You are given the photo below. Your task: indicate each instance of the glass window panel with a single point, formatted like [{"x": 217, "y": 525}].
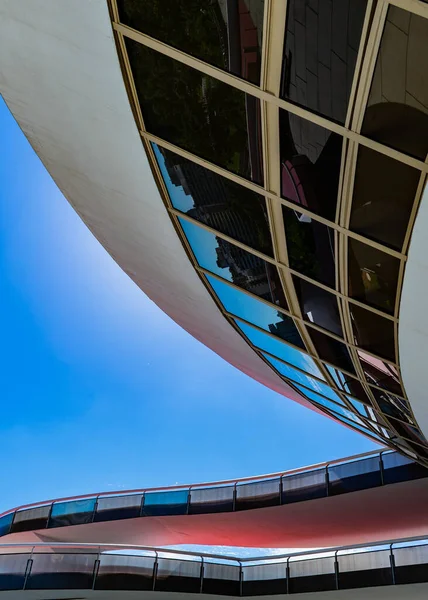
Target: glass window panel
[
  {"x": 331, "y": 350},
  {"x": 363, "y": 409},
  {"x": 12, "y": 571},
  {"x": 380, "y": 373},
  {"x": 384, "y": 193},
  {"x": 310, "y": 246},
  {"x": 397, "y": 108},
  {"x": 256, "y": 312},
  {"x": 196, "y": 112},
  {"x": 318, "y": 306},
  {"x": 373, "y": 332},
  {"x": 215, "y": 201},
  {"x": 321, "y": 46},
  {"x": 299, "y": 377},
  {"x": 277, "y": 348},
  {"x": 165, "y": 503},
  {"x": 227, "y": 34},
  {"x": 310, "y": 164},
  {"x": 373, "y": 276},
  {"x": 74, "y": 512},
  {"x": 348, "y": 384},
  {"x": 341, "y": 410},
  {"x": 128, "y": 572},
  {"x": 392, "y": 406},
  {"x": 235, "y": 264}
]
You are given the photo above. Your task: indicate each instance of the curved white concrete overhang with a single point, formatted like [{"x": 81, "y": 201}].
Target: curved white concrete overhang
[
  {"x": 413, "y": 328},
  {"x": 61, "y": 78}
]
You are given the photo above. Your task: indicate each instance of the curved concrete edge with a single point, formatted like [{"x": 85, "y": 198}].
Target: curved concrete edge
[
  {"x": 413, "y": 324},
  {"x": 61, "y": 78}
]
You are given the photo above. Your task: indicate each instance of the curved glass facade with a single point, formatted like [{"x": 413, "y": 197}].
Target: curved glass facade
[{"x": 290, "y": 154}]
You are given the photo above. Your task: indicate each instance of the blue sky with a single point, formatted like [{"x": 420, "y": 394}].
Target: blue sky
[{"x": 101, "y": 390}]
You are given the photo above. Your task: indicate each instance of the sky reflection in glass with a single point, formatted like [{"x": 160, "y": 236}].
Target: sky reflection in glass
[
  {"x": 277, "y": 348},
  {"x": 329, "y": 405}
]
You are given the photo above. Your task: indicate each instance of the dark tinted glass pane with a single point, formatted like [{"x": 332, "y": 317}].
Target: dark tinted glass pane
[
  {"x": 165, "y": 503},
  {"x": 258, "y": 494},
  {"x": 75, "y": 512},
  {"x": 12, "y": 571},
  {"x": 211, "y": 500},
  {"x": 263, "y": 580},
  {"x": 321, "y": 46},
  {"x": 61, "y": 571},
  {"x": 384, "y": 192},
  {"x": 348, "y": 384},
  {"x": 397, "y": 109},
  {"x": 277, "y": 348},
  {"x": 411, "y": 564},
  {"x": 380, "y": 373},
  {"x": 312, "y": 575},
  {"x": 318, "y": 306},
  {"x": 178, "y": 576},
  {"x": 258, "y": 313},
  {"x": 308, "y": 485},
  {"x": 31, "y": 518},
  {"x": 196, "y": 112},
  {"x": 353, "y": 476},
  {"x": 125, "y": 572},
  {"x": 397, "y": 467},
  {"x": 310, "y": 246},
  {"x": 391, "y": 406},
  {"x": 227, "y": 35},
  {"x": 331, "y": 350},
  {"x": 211, "y": 199},
  {"x": 310, "y": 164},
  {"x": 112, "y": 508},
  {"x": 221, "y": 579},
  {"x": 373, "y": 276},
  {"x": 235, "y": 264},
  {"x": 373, "y": 332},
  {"x": 364, "y": 570}
]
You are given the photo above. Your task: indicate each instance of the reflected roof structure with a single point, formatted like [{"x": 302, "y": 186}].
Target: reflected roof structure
[{"x": 289, "y": 151}]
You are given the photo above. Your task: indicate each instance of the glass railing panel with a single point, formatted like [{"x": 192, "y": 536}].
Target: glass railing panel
[
  {"x": 264, "y": 580},
  {"x": 60, "y": 571},
  {"x": 397, "y": 467},
  {"x": 364, "y": 569},
  {"x": 112, "y": 508},
  {"x": 312, "y": 575},
  {"x": 308, "y": 485},
  {"x": 353, "y": 476},
  {"x": 165, "y": 503},
  {"x": 75, "y": 512},
  {"x": 31, "y": 519},
  {"x": 411, "y": 564},
  {"x": 175, "y": 575},
  {"x": 12, "y": 570},
  {"x": 221, "y": 579},
  {"x": 211, "y": 500},
  {"x": 258, "y": 494},
  {"x": 256, "y": 312},
  {"x": 5, "y": 523},
  {"x": 125, "y": 572}
]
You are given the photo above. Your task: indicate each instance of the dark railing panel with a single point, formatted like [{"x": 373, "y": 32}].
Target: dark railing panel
[
  {"x": 57, "y": 571},
  {"x": 258, "y": 494},
  {"x": 411, "y": 564},
  {"x": 312, "y": 575},
  {"x": 125, "y": 572},
  {"x": 211, "y": 500},
  {"x": 165, "y": 503},
  {"x": 307, "y": 485},
  {"x": 76, "y": 512},
  {"x": 31, "y": 519},
  {"x": 112, "y": 508},
  {"x": 263, "y": 580},
  {"x": 365, "y": 569},
  {"x": 221, "y": 579},
  {"x": 174, "y": 575},
  {"x": 12, "y": 570},
  {"x": 354, "y": 476},
  {"x": 397, "y": 467}
]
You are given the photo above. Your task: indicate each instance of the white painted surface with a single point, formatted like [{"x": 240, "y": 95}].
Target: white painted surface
[
  {"x": 413, "y": 328},
  {"x": 60, "y": 75}
]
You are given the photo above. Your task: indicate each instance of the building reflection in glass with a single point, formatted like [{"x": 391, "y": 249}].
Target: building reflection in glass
[
  {"x": 380, "y": 373},
  {"x": 346, "y": 383},
  {"x": 318, "y": 306}
]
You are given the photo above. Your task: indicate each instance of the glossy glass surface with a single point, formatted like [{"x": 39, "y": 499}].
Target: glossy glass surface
[
  {"x": 397, "y": 108},
  {"x": 384, "y": 193},
  {"x": 310, "y": 164},
  {"x": 258, "y": 313},
  {"x": 279, "y": 349},
  {"x": 373, "y": 276},
  {"x": 321, "y": 46},
  {"x": 215, "y": 201},
  {"x": 380, "y": 373},
  {"x": 331, "y": 406},
  {"x": 348, "y": 384},
  {"x": 373, "y": 332},
  {"x": 318, "y": 306},
  {"x": 75, "y": 512},
  {"x": 391, "y": 406},
  {"x": 196, "y": 112},
  {"x": 310, "y": 246},
  {"x": 225, "y": 34},
  {"x": 234, "y": 264},
  {"x": 331, "y": 350},
  {"x": 5, "y": 523},
  {"x": 165, "y": 503},
  {"x": 299, "y": 377}
]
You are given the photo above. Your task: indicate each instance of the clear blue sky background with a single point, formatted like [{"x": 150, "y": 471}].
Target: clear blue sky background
[{"x": 100, "y": 390}]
